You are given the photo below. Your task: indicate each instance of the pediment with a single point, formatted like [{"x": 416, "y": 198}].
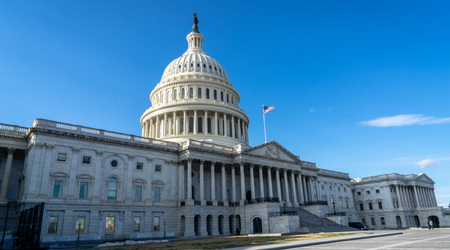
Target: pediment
[
  {"x": 424, "y": 178},
  {"x": 272, "y": 150}
]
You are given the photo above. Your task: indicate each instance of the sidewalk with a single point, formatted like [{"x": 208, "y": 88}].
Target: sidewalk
[{"x": 303, "y": 243}]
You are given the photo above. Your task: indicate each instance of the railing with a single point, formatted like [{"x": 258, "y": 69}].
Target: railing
[
  {"x": 335, "y": 214},
  {"x": 261, "y": 200},
  {"x": 41, "y": 123},
  {"x": 197, "y": 203},
  {"x": 209, "y": 145},
  {"x": 313, "y": 203},
  {"x": 13, "y": 128},
  {"x": 292, "y": 213}
]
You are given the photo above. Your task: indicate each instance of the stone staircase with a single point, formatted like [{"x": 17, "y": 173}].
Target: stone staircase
[{"x": 311, "y": 223}]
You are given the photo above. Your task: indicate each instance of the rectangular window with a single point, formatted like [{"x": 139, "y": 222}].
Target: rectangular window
[
  {"x": 361, "y": 207},
  {"x": 156, "y": 223},
  {"x": 367, "y": 192},
  {"x": 372, "y": 221},
  {"x": 377, "y": 191},
  {"x": 359, "y": 193},
  {"x": 158, "y": 168},
  {"x": 84, "y": 190},
  {"x": 345, "y": 189},
  {"x": 382, "y": 221},
  {"x": 380, "y": 205},
  {"x": 363, "y": 220},
  {"x": 137, "y": 224},
  {"x": 157, "y": 194},
  {"x": 86, "y": 159},
  {"x": 323, "y": 187},
  {"x": 57, "y": 189},
  {"x": 139, "y": 166},
  {"x": 110, "y": 226},
  {"x": 61, "y": 157},
  {"x": 52, "y": 225},
  {"x": 370, "y": 206},
  {"x": 339, "y": 189},
  {"x": 138, "y": 193},
  {"x": 79, "y": 225}
]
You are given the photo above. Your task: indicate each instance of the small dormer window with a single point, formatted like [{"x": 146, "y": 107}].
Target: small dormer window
[{"x": 210, "y": 67}]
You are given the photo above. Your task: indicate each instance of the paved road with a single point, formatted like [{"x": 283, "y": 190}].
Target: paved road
[{"x": 410, "y": 239}]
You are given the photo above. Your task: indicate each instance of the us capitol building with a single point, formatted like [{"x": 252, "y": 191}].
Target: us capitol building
[{"x": 191, "y": 172}]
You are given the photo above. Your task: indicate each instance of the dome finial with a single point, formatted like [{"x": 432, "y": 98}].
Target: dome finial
[{"x": 195, "y": 27}]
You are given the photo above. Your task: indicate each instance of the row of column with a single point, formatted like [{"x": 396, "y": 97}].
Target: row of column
[
  {"x": 300, "y": 185},
  {"x": 172, "y": 124},
  {"x": 415, "y": 196},
  {"x": 6, "y": 175}
]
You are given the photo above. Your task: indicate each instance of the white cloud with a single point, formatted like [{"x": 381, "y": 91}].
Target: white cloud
[
  {"x": 429, "y": 163},
  {"x": 404, "y": 120},
  {"x": 311, "y": 110}
]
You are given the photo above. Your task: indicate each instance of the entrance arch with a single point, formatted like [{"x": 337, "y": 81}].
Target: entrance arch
[
  {"x": 220, "y": 220},
  {"x": 197, "y": 220},
  {"x": 257, "y": 225},
  {"x": 435, "y": 220},
  {"x": 182, "y": 225},
  {"x": 416, "y": 220},
  {"x": 209, "y": 226},
  {"x": 399, "y": 221},
  {"x": 231, "y": 224},
  {"x": 248, "y": 195}
]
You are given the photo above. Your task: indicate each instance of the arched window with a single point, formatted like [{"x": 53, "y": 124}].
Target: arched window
[
  {"x": 182, "y": 93},
  {"x": 209, "y": 125},
  {"x": 228, "y": 98},
  {"x": 221, "y": 96},
  {"x": 199, "y": 93},
  {"x": 200, "y": 124},
  {"x": 191, "y": 125},
  {"x": 112, "y": 188},
  {"x": 174, "y": 94},
  {"x": 207, "y": 93},
  {"x": 181, "y": 126},
  {"x": 215, "y": 94},
  {"x": 230, "y": 132},
  {"x": 191, "y": 93}
]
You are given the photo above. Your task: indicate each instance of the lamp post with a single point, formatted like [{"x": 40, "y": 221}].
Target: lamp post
[{"x": 334, "y": 208}]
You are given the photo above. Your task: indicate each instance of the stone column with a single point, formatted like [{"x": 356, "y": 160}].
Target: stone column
[
  {"x": 433, "y": 195},
  {"x": 164, "y": 124},
  {"x": 316, "y": 180},
  {"x": 224, "y": 184},
  {"x": 202, "y": 182},
  {"x": 305, "y": 190},
  {"x": 269, "y": 181},
  {"x": 216, "y": 127},
  {"x": 177, "y": 125},
  {"x": 7, "y": 174},
  {"x": 233, "y": 183},
  {"x": 277, "y": 177},
  {"x": 252, "y": 182},
  {"x": 174, "y": 125},
  {"x": 242, "y": 174},
  {"x": 205, "y": 122},
  {"x": 239, "y": 129},
  {"x": 149, "y": 126},
  {"x": 286, "y": 187},
  {"x": 294, "y": 192},
  {"x": 195, "y": 122},
  {"x": 189, "y": 179},
  {"x": 213, "y": 182},
  {"x": 233, "y": 132},
  {"x": 300, "y": 188},
  {"x": 157, "y": 127},
  {"x": 185, "y": 131},
  {"x": 225, "y": 125},
  {"x": 181, "y": 181},
  {"x": 261, "y": 183},
  {"x": 73, "y": 174},
  {"x": 397, "y": 189}
]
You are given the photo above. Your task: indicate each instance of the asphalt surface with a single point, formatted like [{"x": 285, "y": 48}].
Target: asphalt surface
[{"x": 373, "y": 240}]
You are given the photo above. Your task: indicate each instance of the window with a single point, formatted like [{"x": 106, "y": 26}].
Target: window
[
  {"x": 215, "y": 94},
  {"x": 382, "y": 221},
  {"x": 363, "y": 220},
  {"x": 209, "y": 125},
  {"x": 228, "y": 98},
  {"x": 191, "y": 93},
  {"x": 377, "y": 191},
  {"x": 380, "y": 205},
  {"x": 83, "y": 190},
  {"x": 57, "y": 189},
  {"x": 347, "y": 204},
  {"x": 200, "y": 125},
  {"x": 52, "y": 225},
  {"x": 367, "y": 192},
  {"x": 156, "y": 223},
  {"x": 182, "y": 93},
  {"x": 361, "y": 207},
  {"x": 110, "y": 226},
  {"x": 370, "y": 206},
  {"x": 372, "y": 221},
  {"x": 61, "y": 157},
  {"x": 339, "y": 189},
  {"x": 158, "y": 168},
  {"x": 157, "y": 194},
  {"x": 137, "y": 224},
  {"x": 345, "y": 189},
  {"x": 207, "y": 93},
  {"x": 79, "y": 225},
  {"x": 138, "y": 193},
  {"x": 175, "y": 94},
  {"x": 86, "y": 160},
  {"x": 221, "y": 96},
  {"x": 191, "y": 125},
  {"x": 331, "y": 188},
  {"x": 139, "y": 166},
  {"x": 114, "y": 163},
  {"x": 112, "y": 188},
  {"x": 323, "y": 187},
  {"x": 199, "y": 93},
  {"x": 359, "y": 193}
]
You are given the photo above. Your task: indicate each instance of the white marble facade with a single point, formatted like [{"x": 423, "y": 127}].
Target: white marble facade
[{"x": 192, "y": 172}]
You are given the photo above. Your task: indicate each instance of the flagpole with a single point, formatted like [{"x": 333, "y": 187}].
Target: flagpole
[{"x": 264, "y": 119}]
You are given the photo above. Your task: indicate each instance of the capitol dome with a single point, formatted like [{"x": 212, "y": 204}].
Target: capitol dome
[{"x": 195, "y": 100}]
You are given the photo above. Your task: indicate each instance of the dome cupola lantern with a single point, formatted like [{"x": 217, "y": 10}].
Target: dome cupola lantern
[{"x": 195, "y": 100}]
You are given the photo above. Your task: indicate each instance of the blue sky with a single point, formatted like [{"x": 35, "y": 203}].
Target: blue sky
[{"x": 358, "y": 86}]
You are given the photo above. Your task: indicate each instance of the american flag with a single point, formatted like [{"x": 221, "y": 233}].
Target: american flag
[{"x": 267, "y": 108}]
